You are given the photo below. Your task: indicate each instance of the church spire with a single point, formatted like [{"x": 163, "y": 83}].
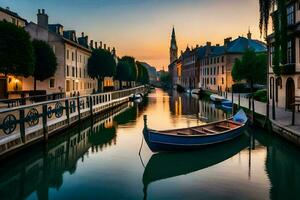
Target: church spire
[{"x": 173, "y": 47}]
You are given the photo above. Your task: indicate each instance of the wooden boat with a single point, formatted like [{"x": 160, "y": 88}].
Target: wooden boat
[
  {"x": 195, "y": 137},
  {"x": 166, "y": 165},
  {"x": 216, "y": 98}
]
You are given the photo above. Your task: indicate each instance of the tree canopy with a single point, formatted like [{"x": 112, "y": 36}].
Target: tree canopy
[
  {"x": 123, "y": 71},
  {"x": 132, "y": 67},
  {"x": 16, "y": 51},
  {"x": 45, "y": 60},
  {"x": 101, "y": 64},
  {"x": 251, "y": 67},
  {"x": 142, "y": 75}
]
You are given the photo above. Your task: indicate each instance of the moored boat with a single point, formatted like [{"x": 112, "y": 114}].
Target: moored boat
[
  {"x": 217, "y": 98},
  {"x": 195, "y": 137},
  {"x": 227, "y": 105}
]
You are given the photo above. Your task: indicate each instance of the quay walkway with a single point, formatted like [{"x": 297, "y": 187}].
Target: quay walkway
[
  {"x": 282, "y": 124},
  {"x": 24, "y": 125}
]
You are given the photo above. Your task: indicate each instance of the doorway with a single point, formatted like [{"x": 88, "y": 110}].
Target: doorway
[{"x": 290, "y": 93}]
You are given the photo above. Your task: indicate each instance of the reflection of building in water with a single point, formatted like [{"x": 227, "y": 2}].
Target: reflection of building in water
[
  {"x": 181, "y": 104},
  {"x": 44, "y": 169},
  {"x": 210, "y": 110},
  {"x": 187, "y": 105}
]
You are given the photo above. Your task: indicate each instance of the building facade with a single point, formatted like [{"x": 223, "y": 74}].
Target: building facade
[
  {"x": 216, "y": 62},
  {"x": 7, "y": 15},
  {"x": 284, "y": 88}
]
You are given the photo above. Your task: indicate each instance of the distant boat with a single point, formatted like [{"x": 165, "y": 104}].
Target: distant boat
[
  {"x": 136, "y": 97},
  {"x": 217, "y": 98},
  {"x": 195, "y": 137},
  {"x": 168, "y": 165}
]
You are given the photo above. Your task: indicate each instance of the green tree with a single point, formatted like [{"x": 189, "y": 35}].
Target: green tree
[
  {"x": 133, "y": 68},
  {"x": 251, "y": 67},
  {"x": 142, "y": 74},
  {"x": 45, "y": 61},
  {"x": 16, "y": 51},
  {"x": 101, "y": 64},
  {"x": 123, "y": 72}
]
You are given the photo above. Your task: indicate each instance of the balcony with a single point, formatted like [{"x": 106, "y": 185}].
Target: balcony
[{"x": 288, "y": 69}]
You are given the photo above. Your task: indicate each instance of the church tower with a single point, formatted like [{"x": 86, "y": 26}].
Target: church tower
[{"x": 173, "y": 47}]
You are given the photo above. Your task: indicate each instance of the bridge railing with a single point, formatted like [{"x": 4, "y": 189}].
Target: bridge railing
[{"x": 24, "y": 124}]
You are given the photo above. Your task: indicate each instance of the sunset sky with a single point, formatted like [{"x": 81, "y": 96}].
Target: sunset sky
[{"x": 142, "y": 28}]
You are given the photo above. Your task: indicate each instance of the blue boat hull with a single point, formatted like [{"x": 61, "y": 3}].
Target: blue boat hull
[{"x": 158, "y": 142}]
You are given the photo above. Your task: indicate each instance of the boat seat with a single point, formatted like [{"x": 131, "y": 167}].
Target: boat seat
[
  {"x": 208, "y": 130},
  {"x": 198, "y": 131},
  {"x": 182, "y": 133},
  {"x": 224, "y": 127},
  {"x": 233, "y": 122}
]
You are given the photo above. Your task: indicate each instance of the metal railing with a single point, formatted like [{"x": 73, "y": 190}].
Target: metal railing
[
  {"x": 23, "y": 124},
  {"x": 31, "y": 99}
]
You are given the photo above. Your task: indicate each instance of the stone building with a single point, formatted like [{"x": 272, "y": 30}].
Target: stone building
[
  {"x": 287, "y": 86},
  {"x": 189, "y": 73},
  {"x": 72, "y": 54},
  {"x": 215, "y": 62},
  {"x": 7, "y": 15}
]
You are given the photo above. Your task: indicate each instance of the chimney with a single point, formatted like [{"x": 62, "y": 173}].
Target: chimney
[
  {"x": 104, "y": 46},
  {"x": 92, "y": 44},
  {"x": 208, "y": 44},
  {"x": 96, "y": 45},
  {"x": 227, "y": 41},
  {"x": 42, "y": 18},
  {"x": 100, "y": 46}
]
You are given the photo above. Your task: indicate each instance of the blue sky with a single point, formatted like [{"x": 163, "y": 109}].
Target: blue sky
[{"x": 142, "y": 28}]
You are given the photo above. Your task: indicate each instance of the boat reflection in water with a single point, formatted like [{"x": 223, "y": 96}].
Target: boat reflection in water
[{"x": 167, "y": 165}]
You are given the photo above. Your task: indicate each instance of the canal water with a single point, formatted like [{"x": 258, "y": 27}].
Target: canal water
[{"x": 100, "y": 159}]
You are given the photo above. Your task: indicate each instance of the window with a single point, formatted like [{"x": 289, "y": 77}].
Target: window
[
  {"x": 298, "y": 82},
  {"x": 51, "y": 83},
  {"x": 68, "y": 88},
  {"x": 80, "y": 72},
  {"x": 72, "y": 56},
  {"x": 290, "y": 15},
  {"x": 73, "y": 71},
  {"x": 68, "y": 54},
  {"x": 67, "y": 70},
  {"x": 218, "y": 69},
  {"x": 76, "y": 72},
  {"x": 223, "y": 69},
  {"x": 222, "y": 58},
  {"x": 289, "y": 52},
  {"x": 73, "y": 84},
  {"x": 222, "y": 81}
]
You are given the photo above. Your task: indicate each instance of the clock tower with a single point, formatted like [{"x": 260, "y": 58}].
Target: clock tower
[{"x": 173, "y": 47}]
